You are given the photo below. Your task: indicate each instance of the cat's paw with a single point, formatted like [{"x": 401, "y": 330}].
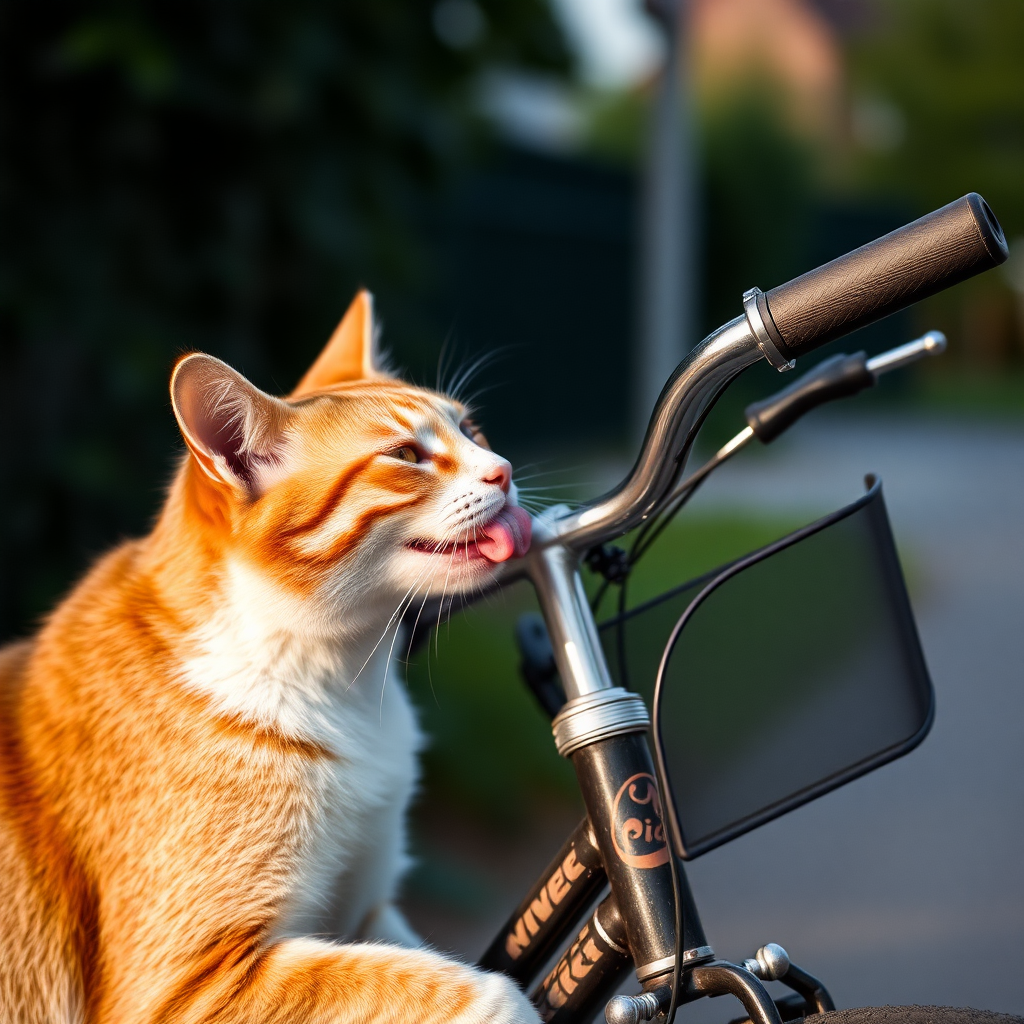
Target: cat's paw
[{"x": 499, "y": 1000}]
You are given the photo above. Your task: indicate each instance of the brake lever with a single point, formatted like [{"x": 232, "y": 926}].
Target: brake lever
[{"x": 837, "y": 377}]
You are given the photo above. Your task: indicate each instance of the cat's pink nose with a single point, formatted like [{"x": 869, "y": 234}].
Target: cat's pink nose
[{"x": 501, "y": 474}]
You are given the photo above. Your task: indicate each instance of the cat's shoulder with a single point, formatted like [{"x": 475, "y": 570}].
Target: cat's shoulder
[
  {"x": 95, "y": 609},
  {"x": 13, "y": 657}
]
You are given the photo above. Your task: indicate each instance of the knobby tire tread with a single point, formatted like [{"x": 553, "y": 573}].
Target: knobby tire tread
[{"x": 910, "y": 1015}]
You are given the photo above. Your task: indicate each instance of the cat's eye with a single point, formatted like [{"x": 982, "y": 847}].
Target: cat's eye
[
  {"x": 472, "y": 431},
  {"x": 407, "y": 453}
]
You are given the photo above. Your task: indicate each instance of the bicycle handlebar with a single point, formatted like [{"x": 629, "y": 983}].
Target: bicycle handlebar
[
  {"x": 934, "y": 252},
  {"x": 940, "y": 249}
]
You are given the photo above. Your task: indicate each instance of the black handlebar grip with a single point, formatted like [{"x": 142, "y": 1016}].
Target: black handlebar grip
[
  {"x": 915, "y": 261},
  {"x": 832, "y": 378}
]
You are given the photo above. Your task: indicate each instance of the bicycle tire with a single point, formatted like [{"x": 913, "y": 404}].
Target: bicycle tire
[{"x": 910, "y": 1015}]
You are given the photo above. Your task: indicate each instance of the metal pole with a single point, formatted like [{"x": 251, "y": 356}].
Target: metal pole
[{"x": 666, "y": 283}]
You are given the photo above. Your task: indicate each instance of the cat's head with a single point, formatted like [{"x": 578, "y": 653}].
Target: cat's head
[{"x": 357, "y": 485}]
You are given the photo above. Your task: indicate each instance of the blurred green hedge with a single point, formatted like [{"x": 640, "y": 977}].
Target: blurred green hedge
[{"x": 216, "y": 175}]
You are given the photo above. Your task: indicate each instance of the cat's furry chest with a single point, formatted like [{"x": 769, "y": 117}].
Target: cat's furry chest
[
  {"x": 351, "y": 850},
  {"x": 355, "y": 853}
]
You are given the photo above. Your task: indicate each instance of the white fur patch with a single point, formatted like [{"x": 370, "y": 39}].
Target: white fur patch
[{"x": 267, "y": 658}]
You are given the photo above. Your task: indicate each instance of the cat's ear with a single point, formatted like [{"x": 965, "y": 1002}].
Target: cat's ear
[
  {"x": 234, "y": 430},
  {"x": 351, "y": 354}
]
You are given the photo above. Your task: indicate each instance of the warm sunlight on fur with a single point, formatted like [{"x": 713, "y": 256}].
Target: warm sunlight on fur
[{"x": 206, "y": 752}]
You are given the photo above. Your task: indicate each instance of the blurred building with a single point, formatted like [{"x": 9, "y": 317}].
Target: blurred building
[{"x": 788, "y": 43}]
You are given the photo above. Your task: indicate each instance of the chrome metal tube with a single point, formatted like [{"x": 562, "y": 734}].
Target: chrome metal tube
[
  {"x": 727, "y": 451},
  {"x": 931, "y": 344},
  {"x": 696, "y": 383},
  {"x": 554, "y": 570}
]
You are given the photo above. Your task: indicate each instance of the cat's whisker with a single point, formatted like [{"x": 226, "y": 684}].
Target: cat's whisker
[
  {"x": 412, "y": 635},
  {"x": 396, "y": 614},
  {"x": 521, "y": 477},
  {"x": 405, "y": 605},
  {"x": 545, "y": 500},
  {"x": 465, "y": 375},
  {"x": 462, "y": 596},
  {"x": 554, "y": 490},
  {"x": 541, "y": 502},
  {"x": 475, "y": 367},
  {"x": 453, "y": 363},
  {"x": 452, "y": 531},
  {"x": 412, "y": 632},
  {"x": 455, "y": 594},
  {"x": 444, "y": 590},
  {"x": 387, "y": 660},
  {"x": 442, "y": 361},
  {"x": 538, "y": 508},
  {"x": 440, "y": 612},
  {"x": 561, "y": 471},
  {"x": 530, "y": 465},
  {"x": 471, "y": 401},
  {"x": 540, "y": 487}
]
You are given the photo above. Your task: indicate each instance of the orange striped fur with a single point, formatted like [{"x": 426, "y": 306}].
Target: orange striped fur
[{"x": 205, "y": 753}]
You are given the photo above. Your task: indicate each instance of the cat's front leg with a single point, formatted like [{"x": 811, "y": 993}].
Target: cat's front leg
[
  {"x": 386, "y": 923},
  {"x": 307, "y": 981}
]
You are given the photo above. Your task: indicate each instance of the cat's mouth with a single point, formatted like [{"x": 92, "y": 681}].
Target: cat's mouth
[{"x": 506, "y": 535}]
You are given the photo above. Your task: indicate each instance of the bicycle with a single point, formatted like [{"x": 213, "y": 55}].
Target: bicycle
[{"x": 649, "y": 921}]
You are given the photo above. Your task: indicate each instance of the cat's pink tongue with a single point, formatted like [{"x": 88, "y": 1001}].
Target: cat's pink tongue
[{"x": 506, "y": 535}]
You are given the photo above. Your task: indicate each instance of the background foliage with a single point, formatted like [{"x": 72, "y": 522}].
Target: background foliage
[
  {"x": 944, "y": 82},
  {"x": 953, "y": 77},
  {"x": 216, "y": 175}
]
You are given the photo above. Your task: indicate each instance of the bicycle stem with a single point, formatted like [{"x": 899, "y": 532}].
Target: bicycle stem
[{"x": 599, "y": 725}]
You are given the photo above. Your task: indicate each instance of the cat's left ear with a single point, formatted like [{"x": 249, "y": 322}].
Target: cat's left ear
[
  {"x": 351, "y": 354},
  {"x": 234, "y": 431}
]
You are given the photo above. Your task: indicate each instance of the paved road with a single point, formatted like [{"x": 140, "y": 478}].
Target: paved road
[{"x": 907, "y": 885}]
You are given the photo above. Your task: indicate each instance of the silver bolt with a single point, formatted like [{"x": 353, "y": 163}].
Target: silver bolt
[
  {"x": 773, "y": 961},
  {"x": 632, "y": 1009}
]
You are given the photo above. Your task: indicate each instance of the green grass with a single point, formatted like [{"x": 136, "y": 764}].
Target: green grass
[{"x": 693, "y": 545}]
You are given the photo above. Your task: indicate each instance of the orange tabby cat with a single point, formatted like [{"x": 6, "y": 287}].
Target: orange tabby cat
[{"x": 205, "y": 758}]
